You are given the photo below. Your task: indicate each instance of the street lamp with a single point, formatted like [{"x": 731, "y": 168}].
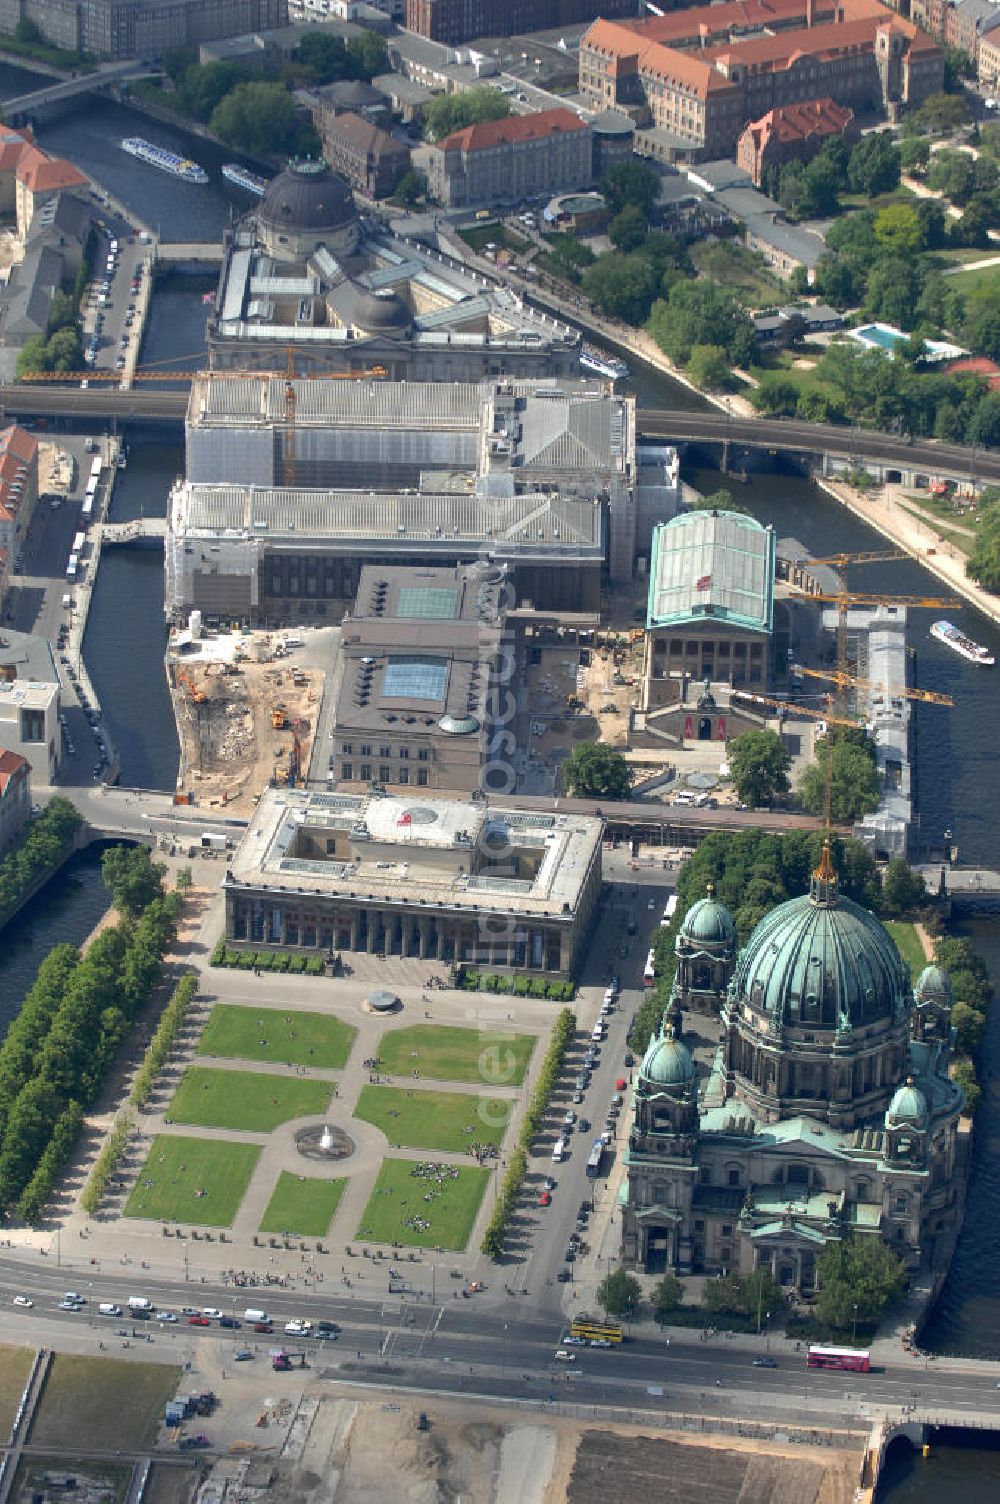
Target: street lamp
[{"x": 854, "y": 1326}]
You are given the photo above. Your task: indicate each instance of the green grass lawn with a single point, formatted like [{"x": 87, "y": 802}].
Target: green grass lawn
[
  {"x": 246, "y": 1100},
  {"x": 433, "y": 1119},
  {"x": 97, "y": 1404},
  {"x": 494, "y": 233},
  {"x": 397, "y": 1207},
  {"x": 962, "y": 541},
  {"x": 269, "y": 1034},
  {"x": 302, "y": 1204},
  {"x": 15, "y": 1365},
  {"x": 966, "y": 282},
  {"x": 450, "y": 1054},
  {"x": 740, "y": 270},
  {"x": 908, "y": 944},
  {"x": 178, "y": 1169}
]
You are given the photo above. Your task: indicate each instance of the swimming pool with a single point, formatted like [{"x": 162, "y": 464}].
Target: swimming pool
[{"x": 879, "y": 334}]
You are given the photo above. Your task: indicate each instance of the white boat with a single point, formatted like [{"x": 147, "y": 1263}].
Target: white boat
[
  {"x": 242, "y": 177},
  {"x": 949, "y": 634},
  {"x": 608, "y": 366},
  {"x": 166, "y": 161}
]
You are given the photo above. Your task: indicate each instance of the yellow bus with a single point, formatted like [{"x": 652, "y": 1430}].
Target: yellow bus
[{"x": 596, "y": 1330}]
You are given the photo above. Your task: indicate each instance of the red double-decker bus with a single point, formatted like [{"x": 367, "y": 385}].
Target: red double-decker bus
[{"x": 846, "y": 1359}]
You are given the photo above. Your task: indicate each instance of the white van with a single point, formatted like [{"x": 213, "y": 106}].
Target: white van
[
  {"x": 294, "y": 642},
  {"x": 558, "y": 1151},
  {"x": 107, "y": 1309},
  {"x": 250, "y": 1314},
  {"x": 684, "y": 797},
  {"x": 139, "y": 1303}
]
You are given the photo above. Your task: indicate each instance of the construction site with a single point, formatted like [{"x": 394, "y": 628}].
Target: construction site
[{"x": 246, "y": 712}]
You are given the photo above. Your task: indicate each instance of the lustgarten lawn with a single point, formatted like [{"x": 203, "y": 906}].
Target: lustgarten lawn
[
  {"x": 272, "y": 1034},
  {"x": 446, "y": 1054},
  {"x": 243, "y": 1099},
  {"x": 192, "y": 1180},
  {"x": 302, "y": 1204},
  {"x": 434, "y": 1119},
  {"x": 424, "y": 1204}
]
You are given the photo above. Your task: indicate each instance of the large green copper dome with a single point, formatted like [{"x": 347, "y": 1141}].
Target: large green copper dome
[
  {"x": 667, "y": 1061},
  {"x": 709, "y": 922},
  {"x": 822, "y": 960}
]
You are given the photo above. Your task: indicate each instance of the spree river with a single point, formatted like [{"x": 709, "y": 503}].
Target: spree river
[{"x": 958, "y": 773}]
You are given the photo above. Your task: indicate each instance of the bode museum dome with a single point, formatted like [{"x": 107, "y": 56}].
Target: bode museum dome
[{"x": 826, "y": 1110}]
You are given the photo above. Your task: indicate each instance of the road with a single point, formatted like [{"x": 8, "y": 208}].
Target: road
[{"x": 462, "y": 1347}]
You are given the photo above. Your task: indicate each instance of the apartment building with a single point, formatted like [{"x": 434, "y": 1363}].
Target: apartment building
[
  {"x": 548, "y": 152},
  {"x": 140, "y": 28},
  {"x": 793, "y": 132},
  {"x": 455, "y": 21},
  {"x": 15, "y": 799},
  {"x": 702, "y": 85},
  {"x": 368, "y": 157}
]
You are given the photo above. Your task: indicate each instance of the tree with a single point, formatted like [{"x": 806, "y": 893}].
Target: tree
[
  {"x": 702, "y": 313},
  {"x": 718, "y": 501},
  {"x": 369, "y": 54},
  {"x": 818, "y": 187},
  {"x": 854, "y": 785},
  {"x": 708, "y": 367},
  {"x": 942, "y": 113},
  {"x": 968, "y": 1024},
  {"x": 858, "y": 1278},
  {"x": 64, "y": 351},
  {"x": 257, "y": 117},
  {"x": 759, "y": 762},
  {"x": 631, "y": 183},
  {"x": 62, "y": 310},
  {"x": 898, "y": 230},
  {"x": 33, "y": 356},
  {"x": 325, "y": 57},
  {"x": 202, "y": 88},
  {"x": 914, "y": 154},
  {"x": 411, "y": 186},
  {"x": 619, "y": 1293},
  {"x": 593, "y": 770},
  {"x": 452, "y": 112},
  {"x": 874, "y": 165},
  {"x": 761, "y": 1294},
  {"x": 903, "y": 890},
  {"x": 622, "y": 286},
  {"x": 964, "y": 1073},
  {"x": 627, "y": 230},
  {"x": 132, "y": 877},
  {"x": 983, "y": 564},
  {"x": 668, "y": 1293}
]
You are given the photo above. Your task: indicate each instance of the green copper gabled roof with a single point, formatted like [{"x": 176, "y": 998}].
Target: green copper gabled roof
[{"x": 715, "y": 567}]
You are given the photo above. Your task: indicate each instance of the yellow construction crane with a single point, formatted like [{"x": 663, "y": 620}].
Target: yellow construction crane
[
  {"x": 844, "y": 598},
  {"x": 848, "y": 681},
  {"x": 816, "y": 715},
  {"x": 872, "y": 556}
]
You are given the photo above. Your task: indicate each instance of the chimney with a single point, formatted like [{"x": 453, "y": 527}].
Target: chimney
[{"x": 810, "y": 14}]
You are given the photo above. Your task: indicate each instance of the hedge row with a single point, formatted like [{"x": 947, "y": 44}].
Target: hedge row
[
  {"x": 106, "y": 1164},
  {"x": 534, "y": 1117},
  {"x": 53, "y": 1161},
  {"x": 519, "y": 986},
  {"x": 162, "y": 1041},
  {"x": 266, "y": 960}
]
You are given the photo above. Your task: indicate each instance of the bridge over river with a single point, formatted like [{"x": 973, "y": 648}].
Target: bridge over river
[
  {"x": 898, "y": 457},
  {"x": 83, "y": 83}
]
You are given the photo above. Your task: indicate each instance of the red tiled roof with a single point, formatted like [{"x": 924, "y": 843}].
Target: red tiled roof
[
  {"x": 12, "y": 765},
  {"x": 18, "y": 451},
  {"x": 47, "y": 174},
  {"x": 490, "y": 133},
  {"x": 802, "y": 120}
]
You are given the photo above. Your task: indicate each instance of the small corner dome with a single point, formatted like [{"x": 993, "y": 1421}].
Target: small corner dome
[
  {"x": 667, "y": 1062},
  {"x": 461, "y": 725},
  {"x": 382, "y": 310},
  {"x": 909, "y": 1105},
  {"x": 933, "y": 983},
  {"x": 709, "y": 921},
  {"x": 307, "y": 196}
]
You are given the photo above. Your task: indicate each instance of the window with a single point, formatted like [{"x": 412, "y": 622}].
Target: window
[
  {"x": 727, "y": 1232},
  {"x": 706, "y": 1175},
  {"x": 404, "y": 752},
  {"x": 384, "y": 773},
  {"x": 422, "y": 777},
  {"x": 347, "y": 749},
  {"x": 733, "y": 1177},
  {"x": 366, "y": 750},
  {"x": 365, "y": 772},
  {"x": 385, "y": 751},
  {"x": 348, "y": 771},
  {"x": 423, "y": 755},
  {"x": 404, "y": 775}
]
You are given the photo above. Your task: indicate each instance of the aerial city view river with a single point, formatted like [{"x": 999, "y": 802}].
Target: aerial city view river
[{"x": 958, "y": 772}]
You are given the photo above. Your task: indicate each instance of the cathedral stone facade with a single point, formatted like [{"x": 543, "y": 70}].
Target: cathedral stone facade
[{"x": 828, "y": 1109}]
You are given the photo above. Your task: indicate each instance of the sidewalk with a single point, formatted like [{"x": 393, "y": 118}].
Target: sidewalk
[{"x": 919, "y": 539}]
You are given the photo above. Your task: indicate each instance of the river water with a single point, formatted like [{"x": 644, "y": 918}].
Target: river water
[{"x": 958, "y": 772}]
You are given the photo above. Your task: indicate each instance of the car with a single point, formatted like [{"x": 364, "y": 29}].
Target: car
[
  {"x": 212, "y": 1312},
  {"x": 244, "y": 1355},
  {"x": 198, "y": 1321},
  {"x": 564, "y": 1356},
  {"x": 763, "y": 1362},
  {"x": 577, "y": 1097},
  {"x": 584, "y": 1125},
  {"x": 623, "y": 951},
  {"x": 326, "y": 1336},
  {"x": 569, "y": 1119},
  {"x": 572, "y": 1341},
  {"x": 23, "y": 1302},
  {"x": 230, "y": 1321},
  {"x": 70, "y": 1305},
  {"x": 167, "y": 1316},
  {"x": 651, "y": 905},
  {"x": 564, "y": 1276},
  {"x": 545, "y": 1199},
  {"x": 612, "y": 1114},
  {"x": 297, "y": 1327},
  {"x": 70, "y": 749},
  {"x": 569, "y": 1255},
  {"x": 600, "y": 1342},
  {"x": 263, "y": 1326},
  {"x": 549, "y": 1183},
  {"x": 617, "y": 1100},
  {"x": 629, "y": 1059}
]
